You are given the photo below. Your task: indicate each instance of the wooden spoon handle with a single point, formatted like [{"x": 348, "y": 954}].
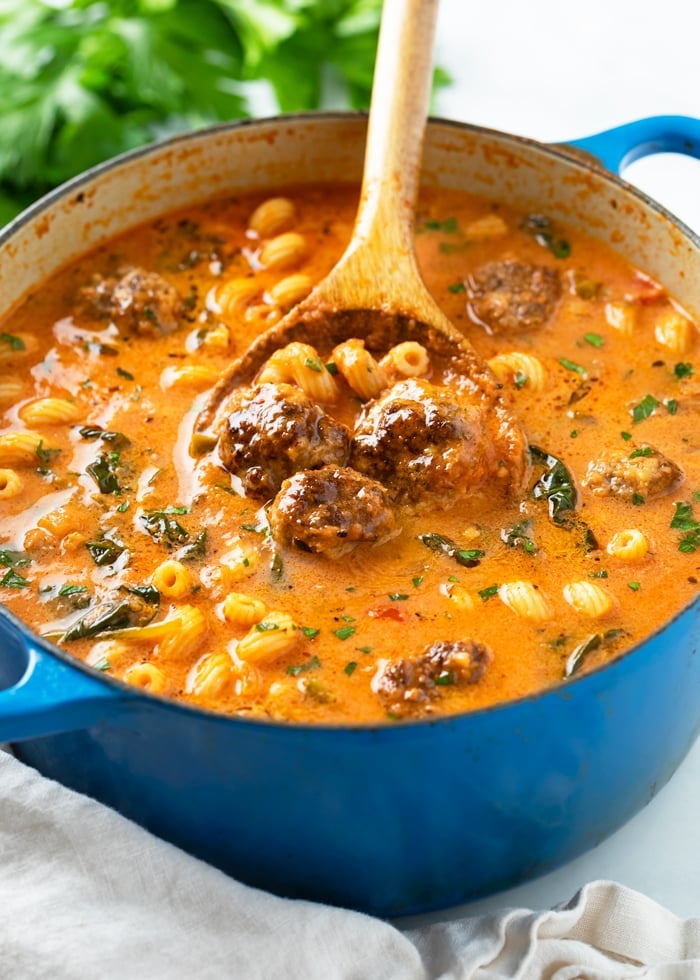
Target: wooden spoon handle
[
  {"x": 378, "y": 267},
  {"x": 400, "y": 99}
]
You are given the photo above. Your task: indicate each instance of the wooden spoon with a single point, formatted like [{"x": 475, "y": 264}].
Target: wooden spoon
[{"x": 375, "y": 292}]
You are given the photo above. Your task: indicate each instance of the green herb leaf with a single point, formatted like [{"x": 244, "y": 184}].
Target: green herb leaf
[
  {"x": 635, "y": 586},
  {"x": 311, "y": 632},
  {"x": 313, "y": 664},
  {"x": 14, "y": 343},
  {"x": 103, "y": 471},
  {"x": 579, "y": 654},
  {"x": 518, "y": 536},
  {"x": 13, "y": 580},
  {"x": 594, "y": 339},
  {"x": 125, "y": 374},
  {"x": 443, "y": 545},
  {"x": 398, "y": 596},
  {"x": 104, "y": 551},
  {"x": 13, "y": 559},
  {"x": 644, "y": 409},
  {"x": 683, "y": 370},
  {"x": 572, "y": 366},
  {"x": 350, "y": 667},
  {"x": 457, "y": 287},
  {"x": 345, "y": 632},
  {"x": 314, "y": 364},
  {"x": 67, "y": 590},
  {"x": 163, "y": 527},
  {"x": 684, "y": 520},
  {"x": 642, "y": 451},
  {"x": 488, "y": 592}
]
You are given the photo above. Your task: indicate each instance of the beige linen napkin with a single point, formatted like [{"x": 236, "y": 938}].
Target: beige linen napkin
[{"x": 84, "y": 893}]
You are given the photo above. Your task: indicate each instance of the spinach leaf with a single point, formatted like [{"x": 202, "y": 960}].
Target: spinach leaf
[
  {"x": 468, "y": 557},
  {"x": 129, "y": 606},
  {"x": 163, "y": 527},
  {"x": 104, "y": 551},
  {"x": 579, "y": 654},
  {"x": 555, "y": 485}
]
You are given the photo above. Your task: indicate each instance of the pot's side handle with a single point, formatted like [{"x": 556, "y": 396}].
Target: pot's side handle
[
  {"x": 617, "y": 148},
  {"x": 50, "y": 696}
]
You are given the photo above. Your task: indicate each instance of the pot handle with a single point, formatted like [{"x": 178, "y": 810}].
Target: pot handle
[
  {"x": 47, "y": 696},
  {"x": 617, "y": 148}
]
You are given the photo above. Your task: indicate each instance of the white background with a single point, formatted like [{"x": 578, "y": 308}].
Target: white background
[{"x": 557, "y": 70}]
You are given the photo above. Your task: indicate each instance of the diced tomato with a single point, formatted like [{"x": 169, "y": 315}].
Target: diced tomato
[{"x": 388, "y": 612}]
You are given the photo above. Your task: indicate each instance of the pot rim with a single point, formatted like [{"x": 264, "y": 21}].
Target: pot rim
[{"x": 572, "y": 157}]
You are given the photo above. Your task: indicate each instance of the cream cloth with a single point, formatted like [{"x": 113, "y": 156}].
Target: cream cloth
[{"x": 85, "y": 893}]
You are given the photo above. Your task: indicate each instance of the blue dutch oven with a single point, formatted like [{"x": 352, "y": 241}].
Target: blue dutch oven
[{"x": 405, "y": 817}]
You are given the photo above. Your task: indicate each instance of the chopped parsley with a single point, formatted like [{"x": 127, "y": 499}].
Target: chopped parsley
[
  {"x": 67, "y": 590},
  {"x": 350, "y": 667},
  {"x": 417, "y": 581},
  {"x": 398, "y": 596},
  {"x": 637, "y": 499},
  {"x": 644, "y": 409},
  {"x": 635, "y": 586},
  {"x": 266, "y": 627},
  {"x": 313, "y": 664},
  {"x": 594, "y": 339},
  {"x": 345, "y": 632},
  {"x": 13, "y": 342},
  {"x": 449, "y": 225},
  {"x": 573, "y": 366},
  {"x": 684, "y": 520},
  {"x": 683, "y": 370},
  {"x": 626, "y": 436},
  {"x": 488, "y": 592},
  {"x": 642, "y": 451},
  {"x": 457, "y": 287},
  {"x": 311, "y": 632},
  {"x": 671, "y": 406},
  {"x": 314, "y": 364},
  {"x": 125, "y": 374}
]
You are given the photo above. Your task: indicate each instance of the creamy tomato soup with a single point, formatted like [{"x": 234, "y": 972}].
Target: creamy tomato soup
[{"x": 360, "y": 536}]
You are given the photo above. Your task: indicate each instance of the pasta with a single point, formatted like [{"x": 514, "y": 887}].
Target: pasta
[
  {"x": 409, "y": 359},
  {"x": 284, "y": 251},
  {"x": 359, "y": 368},
  {"x": 243, "y": 610},
  {"x": 277, "y": 634},
  {"x": 49, "y": 411},
  {"x": 674, "y": 332},
  {"x": 147, "y": 676},
  {"x": 291, "y": 290},
  {"x": 173, "y": 579},
  {"x": 521, "y": 370},
  {"x": 10, "y": 484},
  {"x": 211, "y": 675},
  {"x": 301, "y": 364},
  {"x": 525, "y": 600},
  {"x": 274, "y": 215},
  {"x": 360, "y": 533},
  {"x": 589, "y": 598},
  {"x": 630, "y": 545},
  {"x": 22, "y": 448}
]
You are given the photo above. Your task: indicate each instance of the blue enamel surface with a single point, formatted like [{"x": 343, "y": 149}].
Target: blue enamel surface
[{"x": 618, "y": 147}]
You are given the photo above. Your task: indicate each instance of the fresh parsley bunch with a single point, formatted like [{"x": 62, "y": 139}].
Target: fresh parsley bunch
[{"x": 82, "y": 80}]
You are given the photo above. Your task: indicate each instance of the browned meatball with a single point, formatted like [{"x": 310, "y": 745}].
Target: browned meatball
[
  {"x": 512, "y": 297},
  {"x": 141, "y": 301},
  {"x": 645, "y": 472},
  {"x": 408, "y": 685},
  {"x": 330, "y": 511},
  {"x": 272, "y": 431},
  {"x": 422, "y": 441}
]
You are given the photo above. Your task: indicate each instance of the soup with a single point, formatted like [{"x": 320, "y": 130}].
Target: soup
[{"x": 356, "y": 540}]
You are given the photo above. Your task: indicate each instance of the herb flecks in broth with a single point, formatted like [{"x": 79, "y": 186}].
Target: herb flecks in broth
[{"x": 375, "y": 580}]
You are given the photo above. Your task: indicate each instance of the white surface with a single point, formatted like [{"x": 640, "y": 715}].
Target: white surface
[
  {"x": 556, "y": 71},
  {"x": 86, "y": 893}
]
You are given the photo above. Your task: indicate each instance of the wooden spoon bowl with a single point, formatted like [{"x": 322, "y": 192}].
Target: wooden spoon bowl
[{"x": 375, "y": 292}]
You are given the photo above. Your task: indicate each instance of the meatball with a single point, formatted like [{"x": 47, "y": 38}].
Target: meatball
[
  {"x": 141, "y": 301},
  {"x": 645, "y": 472},
  {"x": 272, "y": 431},
  {"x": 409, "y": 684},
  {"x": 330, "y": 511},
  {"x": 512, "y": 297},
  {"x": 423, "y": 441}
]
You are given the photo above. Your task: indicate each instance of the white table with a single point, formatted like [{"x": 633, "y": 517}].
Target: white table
[{"x": 556, "y": 71}]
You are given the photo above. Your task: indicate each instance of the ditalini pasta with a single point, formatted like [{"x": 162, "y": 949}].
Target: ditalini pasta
[{"x": 359, "y": 536}]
